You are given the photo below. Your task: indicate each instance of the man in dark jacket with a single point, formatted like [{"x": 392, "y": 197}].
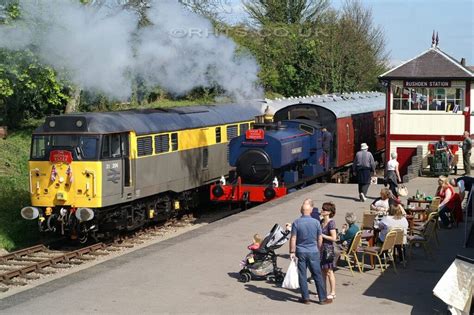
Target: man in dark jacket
[{"x": 363, "y": 166}]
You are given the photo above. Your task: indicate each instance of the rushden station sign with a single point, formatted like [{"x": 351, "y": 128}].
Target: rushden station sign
[{"x": 426, "y": 84}]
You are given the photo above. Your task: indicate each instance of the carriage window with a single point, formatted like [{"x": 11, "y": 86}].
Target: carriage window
[
  {"x": 243, "y": 128},
  {"x": 232, "y": 132},
  {"x": 174, "y": 141},
  {"x": 144, "y": 146},
  {"x": 218, "y": 135},
  {"x": 162, "y": 143}
]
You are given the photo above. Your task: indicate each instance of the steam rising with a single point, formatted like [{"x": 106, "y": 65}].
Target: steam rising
[{"x": 100, "y": 47}]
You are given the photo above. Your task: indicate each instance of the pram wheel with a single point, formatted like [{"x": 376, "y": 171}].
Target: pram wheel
[
  {"x": 245, "y": 277},
  {"x": 279, "y": 278}
]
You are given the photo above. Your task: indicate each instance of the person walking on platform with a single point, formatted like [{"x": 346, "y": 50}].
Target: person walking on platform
[
  {"x": 464, "y": 184},
  {"x": 327, "y": 144},
  {"x": 363, "y": 167},
  {"x": 393, "y": 174},
  {"x": 305, "y": 242},
  {"x": 466, "y": 153}
]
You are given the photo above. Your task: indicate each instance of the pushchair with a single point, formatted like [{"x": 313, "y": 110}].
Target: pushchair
[{"x": 263, "y": 264}]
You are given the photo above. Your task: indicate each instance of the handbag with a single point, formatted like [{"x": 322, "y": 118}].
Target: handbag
[
  {"x": 402, "y": 190},
  {"x": 291, "y": 278}
]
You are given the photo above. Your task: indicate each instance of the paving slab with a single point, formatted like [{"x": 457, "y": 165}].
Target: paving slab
[{"x": 197, "y": 272}]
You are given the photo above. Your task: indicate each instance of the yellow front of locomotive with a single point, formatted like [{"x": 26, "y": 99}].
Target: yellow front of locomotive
[{"x": 64, "y": 177}]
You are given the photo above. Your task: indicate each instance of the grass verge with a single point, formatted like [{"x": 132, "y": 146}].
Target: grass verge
[{"x": 15, "y": 232}]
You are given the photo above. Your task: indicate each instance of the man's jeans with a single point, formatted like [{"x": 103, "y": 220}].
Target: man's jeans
[{"x": 313, "y": 262}]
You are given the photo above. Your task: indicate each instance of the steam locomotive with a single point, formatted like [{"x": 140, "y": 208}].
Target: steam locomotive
[{"x": 294, "y": 149}]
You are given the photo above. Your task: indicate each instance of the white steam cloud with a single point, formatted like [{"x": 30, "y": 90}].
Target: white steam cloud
[{"x": 100, "y": 47}]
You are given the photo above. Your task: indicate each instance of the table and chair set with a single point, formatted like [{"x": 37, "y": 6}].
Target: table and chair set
[{"x": 422, "y": 216}]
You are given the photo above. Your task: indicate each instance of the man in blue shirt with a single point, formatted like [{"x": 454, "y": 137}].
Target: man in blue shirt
[{"x": 306, "y": 239}]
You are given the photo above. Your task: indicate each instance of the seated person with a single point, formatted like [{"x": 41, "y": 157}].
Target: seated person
[
  {"x": 394, "y": 220},
  {"x": 257, "y": 240},
  {"x": 446, "y": 192},
  {"x": 349, "y": 230},
  {"x": 346, "y": 236},
  {"x": 381, "y": 204}
]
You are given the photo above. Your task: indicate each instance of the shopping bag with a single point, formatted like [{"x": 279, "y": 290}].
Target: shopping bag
[{"x": 291, "y": 277}]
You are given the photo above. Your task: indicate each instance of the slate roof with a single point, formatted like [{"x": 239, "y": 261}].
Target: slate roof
[
  {"x": 431, "y": 64},
  {"x": 342, "y": 105}
]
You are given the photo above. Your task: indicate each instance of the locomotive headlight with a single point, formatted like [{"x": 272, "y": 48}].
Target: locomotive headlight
[
  {"x": 79, "y": 123},
  {"x": 84, "y": 214},
  {"x": 29, "y": 213},
  {"x": 52, "y": 123}
]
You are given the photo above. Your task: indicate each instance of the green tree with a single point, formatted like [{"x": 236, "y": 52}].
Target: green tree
[
  {"x": 264, "y": 12},
  {"x": 27, "y": 88}
]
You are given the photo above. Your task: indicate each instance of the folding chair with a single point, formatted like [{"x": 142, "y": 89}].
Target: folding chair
[
  {"x": 385, "y": 250},
  {"x": 419, "y": 228},
  {"x": 424, "y": 238},
  {"x": 368, "y": 220},
  {"x": 352, "y": 250},
  {"x": 400, "y": 242}
]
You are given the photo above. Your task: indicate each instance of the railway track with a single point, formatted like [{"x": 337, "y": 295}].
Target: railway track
[{"x": 25, "y": 266}]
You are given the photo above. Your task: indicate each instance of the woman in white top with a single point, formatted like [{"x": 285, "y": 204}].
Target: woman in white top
[
  {"x": 393, "y": 174},
  {"x": 390, "y": 222}
]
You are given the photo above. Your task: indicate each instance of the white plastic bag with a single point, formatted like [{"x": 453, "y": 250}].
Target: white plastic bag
[{"x": 291, "y": 277}]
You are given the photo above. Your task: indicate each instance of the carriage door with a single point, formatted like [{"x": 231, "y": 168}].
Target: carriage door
[{"x": 127, "y": 188}]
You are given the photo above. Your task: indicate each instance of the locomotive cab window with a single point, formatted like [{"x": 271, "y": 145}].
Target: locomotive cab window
[
  {"x": 81, "y": 147},
  {"x": 218, "y": 135},
  {"x": 111, "y": 146},
  {"x": 307, "y": 129},
  {"x": 174, "y": 141}
]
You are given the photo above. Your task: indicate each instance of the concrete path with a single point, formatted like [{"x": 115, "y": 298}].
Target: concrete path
[{"x": 196, "y": 272}]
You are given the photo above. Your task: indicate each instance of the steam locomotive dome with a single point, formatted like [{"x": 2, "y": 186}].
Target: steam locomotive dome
[
  {"x": 255, "y": 167},
  {"x": 257, "y": 159}
]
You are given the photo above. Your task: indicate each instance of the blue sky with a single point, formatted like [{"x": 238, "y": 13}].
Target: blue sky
[{"x": 409, "y": 24}]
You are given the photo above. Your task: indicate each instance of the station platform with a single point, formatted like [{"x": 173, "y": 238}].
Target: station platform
[{"x": 197, "y": 272}]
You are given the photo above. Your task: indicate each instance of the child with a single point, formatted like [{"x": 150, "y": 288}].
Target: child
[{"x": 257, "y": 240}]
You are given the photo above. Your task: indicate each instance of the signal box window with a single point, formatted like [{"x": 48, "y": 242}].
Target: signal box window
[
  {"x": 174, "y": 141},
  {"x": 218, "y": 135}
]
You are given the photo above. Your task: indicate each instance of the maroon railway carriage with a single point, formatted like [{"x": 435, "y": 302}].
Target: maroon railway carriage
[{"x": 352, "y": 119}]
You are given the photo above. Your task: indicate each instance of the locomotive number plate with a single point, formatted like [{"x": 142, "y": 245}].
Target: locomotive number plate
[
  {"x": 255, "y": 134},
  {"x": 60, "y": 156}
]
